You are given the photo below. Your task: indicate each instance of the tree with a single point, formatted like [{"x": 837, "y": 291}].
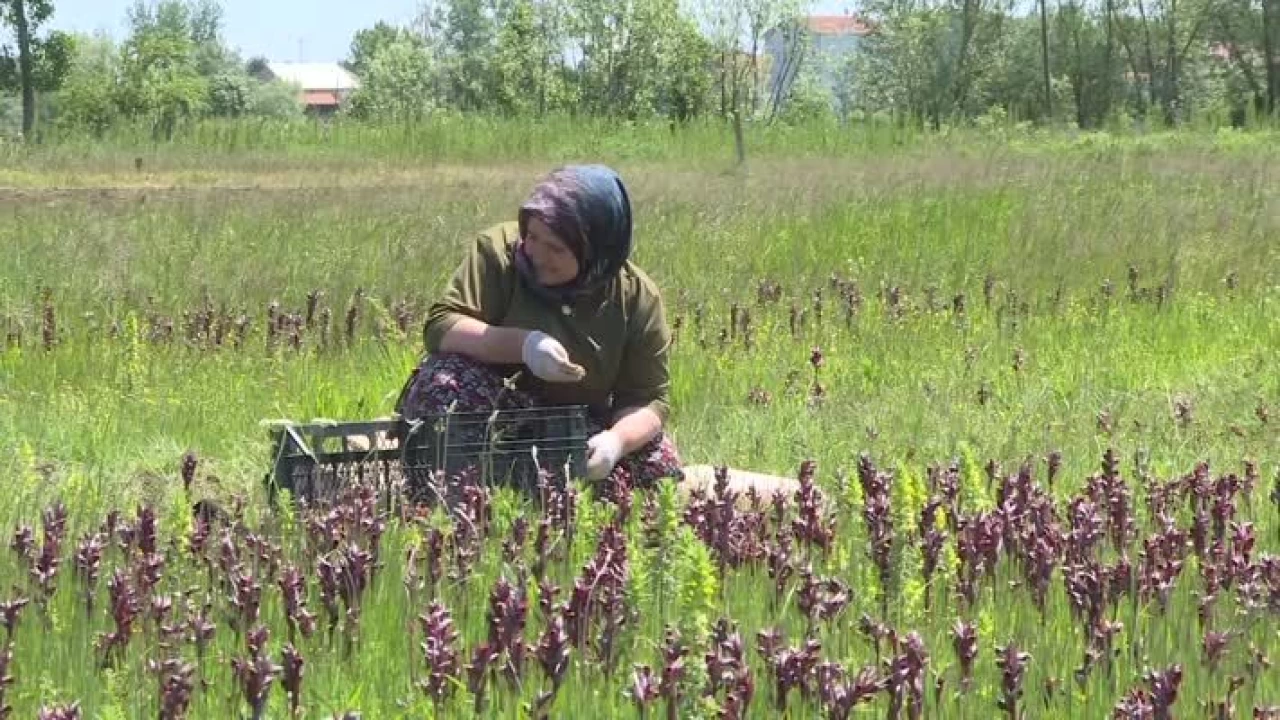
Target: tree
[
  {"x": 687, "y": 89},
  {"x": 160, "y": 76},
  {"x": 1044, "y": 58},
  {"x": 1248, "y": 31},
  {"x": 274, "y": 99},
  {"x": 212, "y": 57},
  {"x": 931, "y": 61},
  {"x": 396, "y": 84},
  {"x": 368, "y": 42},
  {"x": 256, "y": 67},
  {"x": 726, "y": 23},
  {"x": 88, "y": 96},
  {"x": 229, "y": 93},
  {"x": 466, "y": 31},
  {"x": 50, "y": 60},
  {"x": 626, "y": 53},
  {"x": 1157, "y": 42},
  {"x": 25, "y": 17},
  {"x": 1086, "y": 57},
  {"x": 519, "y": 62}
]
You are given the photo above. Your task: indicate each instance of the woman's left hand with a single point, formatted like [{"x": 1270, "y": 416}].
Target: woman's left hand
[{"x": 604, "y": 452}]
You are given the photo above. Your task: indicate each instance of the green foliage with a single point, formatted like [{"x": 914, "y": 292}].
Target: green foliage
[
  {"x": 10, "y": 114},
  {"x": 521, "y": 63},
  {"x": 369, "y": 42},
  {"x": 212, "y": 57},
  {"x": 929, "y": 62},
  {"x": 160, "y": 75},
  {"x": 88, "y": 95},
  {"x": 687, "y": 93},
  {"x": 277, "y": 100},
  {"x": 953, "y": 61},
  {"x": 34, "y": 64},
  {"x": 51, "y": 60},
  {"x": 466, "y": 31},
  {"x": 808, "y": 101},
  {"x": 697, "y": 587},
  {"x": 396, "y": 84},
  {"x": 173, "y": 66},
  {"x": 928, "y": 65},
  {"x": 229, "y": 94},
  {"x": 36, "y": 12},
  {"x": 102, "y": 418}
]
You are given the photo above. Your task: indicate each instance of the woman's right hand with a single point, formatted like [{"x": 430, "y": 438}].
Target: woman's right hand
[{"x": 547, "y": 358}]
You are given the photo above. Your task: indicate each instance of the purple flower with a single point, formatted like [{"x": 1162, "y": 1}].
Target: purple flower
[
  {"x": 1012, "y": 663},
  {"x": 644, "y": 688},
  {"x": 292, "y": 680},
  {"x": 965, "y": 641},
  {"x": 439, "y": 647},
  {"x": 60, "y": 712}
]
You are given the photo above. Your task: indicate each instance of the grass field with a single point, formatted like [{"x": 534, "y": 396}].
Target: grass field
[{"x": 1008, "y": 302}]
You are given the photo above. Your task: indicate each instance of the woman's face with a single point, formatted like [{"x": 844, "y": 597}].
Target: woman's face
[{"x": 553, "y": 261}]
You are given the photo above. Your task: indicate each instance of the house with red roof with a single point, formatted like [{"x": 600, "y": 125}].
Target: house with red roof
[{"x": 324, "y": 87}]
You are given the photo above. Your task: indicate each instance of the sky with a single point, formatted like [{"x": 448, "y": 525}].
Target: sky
[{"x": 283, "y": 30}]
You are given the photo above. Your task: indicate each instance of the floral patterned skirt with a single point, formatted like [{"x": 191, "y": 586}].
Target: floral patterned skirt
[{"x": 445, "y": 379}]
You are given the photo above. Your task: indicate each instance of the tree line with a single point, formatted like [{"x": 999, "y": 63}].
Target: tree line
[{"x": 933, "y": 62}]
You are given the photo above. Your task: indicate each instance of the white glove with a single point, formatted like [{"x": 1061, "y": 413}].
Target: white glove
[
  {"x": 604, "y": 452},
  {"x": 547, "y": 358}
]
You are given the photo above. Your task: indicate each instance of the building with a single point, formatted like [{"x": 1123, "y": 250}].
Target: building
[
  {"x": 824, "y": 40},
  {"x": 325, "y": 86}
]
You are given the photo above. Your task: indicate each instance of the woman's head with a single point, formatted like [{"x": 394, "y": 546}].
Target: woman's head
[
  {"x": 554, "y": 262},
  {"x": 576, "y": 228}
]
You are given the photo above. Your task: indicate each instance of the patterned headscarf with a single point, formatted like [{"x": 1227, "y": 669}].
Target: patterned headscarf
[{"x": 588, "y": 208}]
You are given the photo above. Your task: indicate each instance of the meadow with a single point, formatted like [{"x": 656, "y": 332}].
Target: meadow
[{"x": 1031, "y": 383}]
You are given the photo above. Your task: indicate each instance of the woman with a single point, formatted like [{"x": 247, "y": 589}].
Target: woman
[{"x": 554, "y": 299}]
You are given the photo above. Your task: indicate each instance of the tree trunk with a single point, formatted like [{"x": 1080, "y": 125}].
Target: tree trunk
[
  {"x": 544, "y": 69},
  {"x": 724, "y": 84},
  {"x": 1171, "y": 90},
  {"x": 1242, "y": 63},
  {"x": 739, "y": 77},
  {"x": 753, "y": 94},
  {"x": 1272, "y": 53},
  {"x": 788, "y": 68},
  {"x": 739, "y": 141},
  {"x": 1044, "y": 58},
  {"x": 1082, "y": 118},
  {"x": 23, "y": 31},
  {"x": 1150, "y": 53},
  {"x": 968, "y": 27},
  {"x": 1108, "y": 89}
]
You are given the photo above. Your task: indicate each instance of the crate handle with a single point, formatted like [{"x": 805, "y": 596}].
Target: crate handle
[{"x": 302, "y": 444}]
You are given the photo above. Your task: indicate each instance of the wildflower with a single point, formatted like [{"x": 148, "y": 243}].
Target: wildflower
[
  {"x": 439, "y": 647},
  {"x": 1012, "y": 664}
]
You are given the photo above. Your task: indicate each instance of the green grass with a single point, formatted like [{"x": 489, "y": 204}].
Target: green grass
[
  {"x": 101, "y": 420},
  {"x": 210, "y": 147}
]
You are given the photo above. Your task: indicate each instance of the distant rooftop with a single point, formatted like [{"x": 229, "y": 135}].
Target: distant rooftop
[
  {"x": 315, "y": 76},
  {"x": 836, "y": 25}
]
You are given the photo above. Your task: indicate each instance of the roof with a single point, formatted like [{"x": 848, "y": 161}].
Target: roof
[
  {"x": 315, "y": 76},
  {"x": 320, "y": 97},
  {"x": 836, "y": 25}
]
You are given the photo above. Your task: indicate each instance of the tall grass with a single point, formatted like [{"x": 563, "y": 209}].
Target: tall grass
[
  {"x": 1125, "y": 301},
  {"x": 270, "y": 144}
]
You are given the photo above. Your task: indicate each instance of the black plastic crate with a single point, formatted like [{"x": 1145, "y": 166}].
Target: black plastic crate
[{"x": 315, "y": 461}]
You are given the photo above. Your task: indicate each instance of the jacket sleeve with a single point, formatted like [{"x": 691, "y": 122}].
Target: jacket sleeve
[
  {"x": 479, "y": 289},
  {"x": 644, "y": 378}
]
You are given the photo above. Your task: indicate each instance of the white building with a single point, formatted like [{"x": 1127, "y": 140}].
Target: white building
[
  {"x": 325, "y": 86},
  {"x": 824, "y": 41}
]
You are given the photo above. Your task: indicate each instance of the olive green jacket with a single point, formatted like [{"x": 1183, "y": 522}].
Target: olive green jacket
[{"x": 619, "y": 334}]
